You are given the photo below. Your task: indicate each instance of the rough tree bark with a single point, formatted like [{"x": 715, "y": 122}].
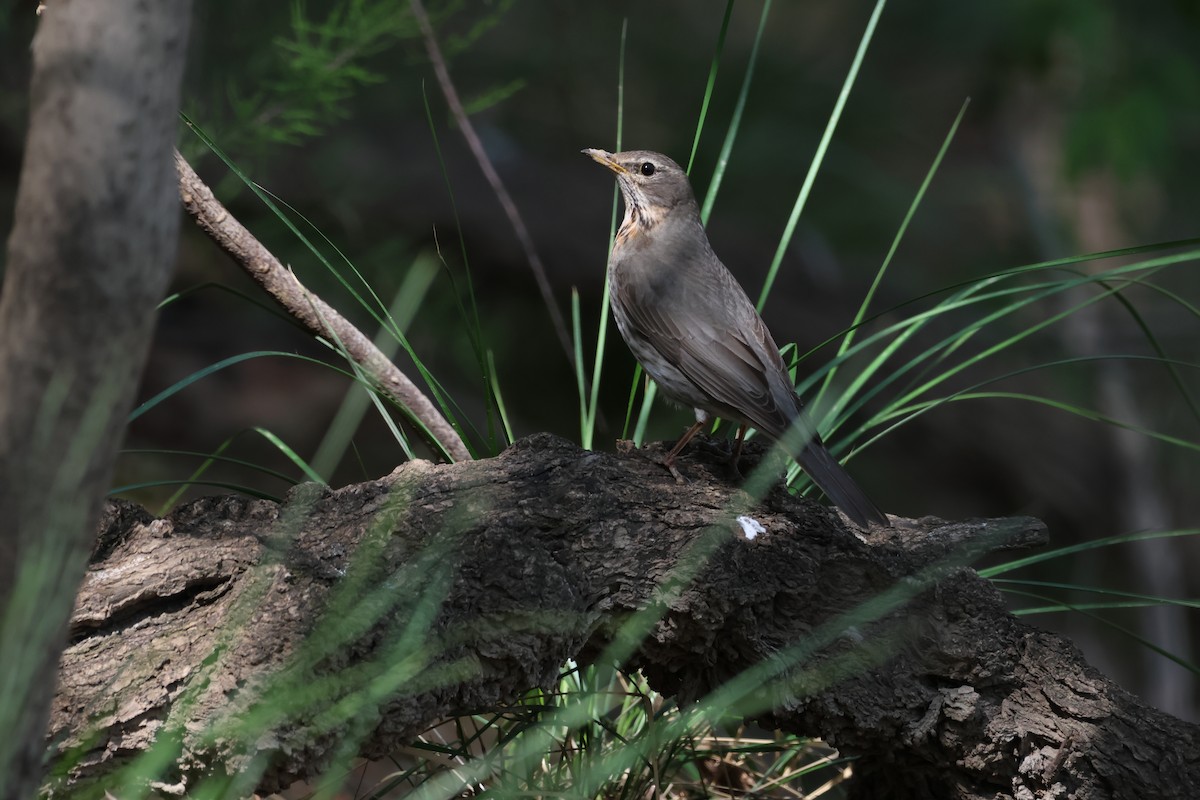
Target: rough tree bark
[
  {"x": 361, "y": 615},
  {"x": 89, "y": 257}
]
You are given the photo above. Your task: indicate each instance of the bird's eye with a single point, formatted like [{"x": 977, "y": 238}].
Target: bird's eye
[{"x": 647, "y": 169}]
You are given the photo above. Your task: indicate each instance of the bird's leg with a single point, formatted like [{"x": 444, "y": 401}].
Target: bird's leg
[
  {"x": 669, "y": 461},
  {"x": 737, "y": 450},
  {"x": 729, "y": 452}
]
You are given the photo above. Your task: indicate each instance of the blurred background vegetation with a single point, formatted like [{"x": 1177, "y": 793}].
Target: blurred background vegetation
[{"x": 1083, "y": 135}]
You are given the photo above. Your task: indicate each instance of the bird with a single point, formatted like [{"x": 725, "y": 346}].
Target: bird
[{"x": 691, "y": 326}]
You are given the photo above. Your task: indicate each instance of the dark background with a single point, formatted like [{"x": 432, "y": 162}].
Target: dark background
[{"x": 1083, "y": 134}]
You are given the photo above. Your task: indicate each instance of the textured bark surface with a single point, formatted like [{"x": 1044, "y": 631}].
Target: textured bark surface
[{"x": 449, "y": 589}]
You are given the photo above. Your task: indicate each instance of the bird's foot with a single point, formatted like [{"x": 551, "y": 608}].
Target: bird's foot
[
  {"x": 735, "y": 472},
  {"x": 667, "y": 462},
  {"x": 717, "y": 447},
  {"x": 724, "y": 450}
]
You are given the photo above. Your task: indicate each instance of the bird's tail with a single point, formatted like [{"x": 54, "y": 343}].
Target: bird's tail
[{"x": 828, "y": 474}]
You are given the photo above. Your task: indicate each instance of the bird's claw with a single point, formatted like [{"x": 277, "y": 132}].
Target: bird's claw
[{"x": 724, "y": 449}]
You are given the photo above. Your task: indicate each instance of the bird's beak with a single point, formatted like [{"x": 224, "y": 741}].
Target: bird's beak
[{"x": 606, "y": 158}]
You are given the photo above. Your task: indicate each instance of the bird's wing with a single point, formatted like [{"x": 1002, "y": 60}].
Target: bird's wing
[
  {"x": 736, "y": 368},
  {"x": 703, "y": 324}
]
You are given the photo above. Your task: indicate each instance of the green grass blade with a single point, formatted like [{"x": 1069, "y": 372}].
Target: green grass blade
[
  {"x": 848, "y": 339},
  {"x": 633, "y": 391},
  {"x": 1079, "y": 411},
  {"x": 969, "y": 292},
  {"x": 819, "y": 157},
  {"x": 290, "y": 455},
  {"x": 350, "y": 413},
  {"x": 180, "y": 385},
  {"x": 846, "y": 406},
  {"x": 585, "y": 430},
  {"x": 1148, "y": 334},
  {"x": 500, "y": 409},
  {"x": 1073, "y": 587},
  {"x": 735, "y": 119},
  {"x": 906, "y": 414},
  {"x": 643, "y": 418},
  {"x": 214, "y": 456},
  {"x": 1167, "y": 654},
  {"x": 470, "y": 316},
  {"x": 712, "y": 81},
  {"x": 434, "y": 387},
  {"x": 1094, "y": 544},
  {"x": 249, "y": 491}
]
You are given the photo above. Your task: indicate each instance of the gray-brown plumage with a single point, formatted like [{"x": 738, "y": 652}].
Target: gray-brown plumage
[{"x": 696, "y": 333}]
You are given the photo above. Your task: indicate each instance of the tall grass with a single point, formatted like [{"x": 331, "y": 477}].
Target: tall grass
[{"x": 601, "y": 731}]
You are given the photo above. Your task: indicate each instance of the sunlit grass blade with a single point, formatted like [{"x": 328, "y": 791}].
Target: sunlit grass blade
[
  {"x": 1078, "y": 280},
  {"x": 182, "y": 384},
  {"x": 945, "y": 374},
  {"x": 848, "y": 339},
  {"x": 971, "y": 292},
  {"x": 238, "y": 488},
  {"x": 922, "y": 366},
  {"x": 1143, "y": 599},
  {"x": 1079, "y": 411},
  {"x": 834, "y": 117},
  {"x": 905, "y": 414},
  {"x": 207, "y": 461},
  {"x": 1153, "y": 341},
  {"x": 968, "y": 293},
  {"x": 290, "y": 454},
  {"x": 847, "y": 405},
  {"x": 439, "y": 396},
  {"x": 405, "y": 304},
  {"x": 1143, "y": 641},
  {"x": 640, "y": 422},
  {"x": 500, "y": 409},
  {"x": 388, "y": 420},
  {"x": 255, "y": 299},
  {"x": 590, "y": 407},
  {"x": 215, "y": 457},
  {"x": 1065, "y": 608},
  {"x": 585, "y": 430},
  {"x": 643, "y": 417},
  {"x": 469, "y": 311},
  {"x": 708, "y": 86},
  {"x": 735, "y": 119},
  {"x": 1094, "y": 544}
]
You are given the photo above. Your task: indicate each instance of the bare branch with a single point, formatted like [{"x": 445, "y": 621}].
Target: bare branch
[
  {"x": 316, "y": 315},
  {"x": 493, "y": 177}
]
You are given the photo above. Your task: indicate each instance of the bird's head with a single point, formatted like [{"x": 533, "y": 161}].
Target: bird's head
[{"x": 652, "y": 184}]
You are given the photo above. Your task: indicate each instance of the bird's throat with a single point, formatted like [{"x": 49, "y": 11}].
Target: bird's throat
[{"x": 640, "y": 218}]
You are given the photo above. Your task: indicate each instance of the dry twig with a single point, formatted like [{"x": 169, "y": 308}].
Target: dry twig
[
  {"x": 316, "y": 315},
  {"x": 493, "y": 177}
]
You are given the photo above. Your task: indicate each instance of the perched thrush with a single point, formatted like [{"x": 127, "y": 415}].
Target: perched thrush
[{"x": 694, "y": 330}]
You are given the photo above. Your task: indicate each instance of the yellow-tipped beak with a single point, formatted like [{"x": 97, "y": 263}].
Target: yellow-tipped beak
[{"x": 604, "y": 157}]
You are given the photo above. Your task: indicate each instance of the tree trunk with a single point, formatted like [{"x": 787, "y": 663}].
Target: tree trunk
[
  {"x": 272, "y": 640},
  {"x": 89, "y": 257}
]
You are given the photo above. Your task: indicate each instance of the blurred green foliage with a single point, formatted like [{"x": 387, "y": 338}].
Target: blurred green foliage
[{"x": 323, "y": 103}]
